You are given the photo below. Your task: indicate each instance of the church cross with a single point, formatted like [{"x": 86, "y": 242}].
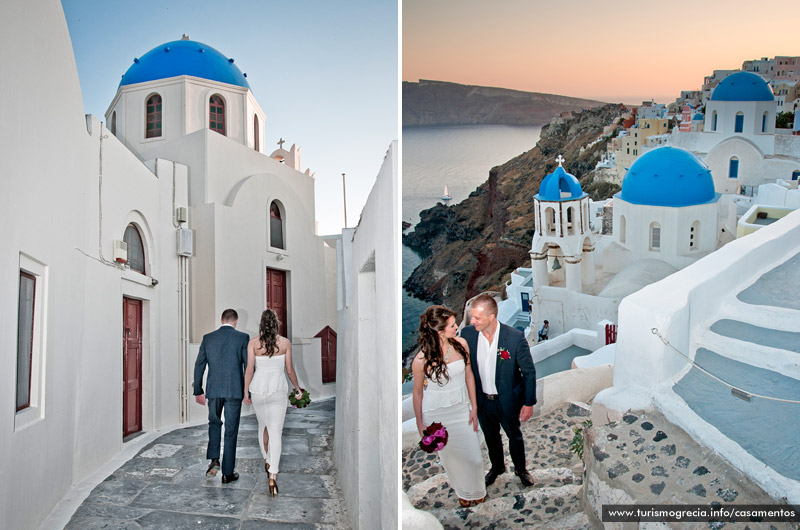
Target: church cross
[
  {"x": 281, "y": 142},
  {"x": 560, "y": 160}
]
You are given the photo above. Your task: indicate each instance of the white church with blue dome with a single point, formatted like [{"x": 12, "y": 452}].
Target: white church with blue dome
[
  {"x": 125, "y": 239},
  {"x": 739, "y": 142}
]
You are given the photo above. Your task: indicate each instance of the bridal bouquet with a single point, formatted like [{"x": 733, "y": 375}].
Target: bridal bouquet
[
  {"x": 302, "y": 402},
  {"x": 434, "y": 438}
]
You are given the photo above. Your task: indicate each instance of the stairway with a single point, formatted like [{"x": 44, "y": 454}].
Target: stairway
[
  {"x": 753, "y": 343},
  {"x": 553, "y": 502}
]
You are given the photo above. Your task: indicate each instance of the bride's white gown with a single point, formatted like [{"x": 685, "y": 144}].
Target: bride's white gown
[
  {"x": 448, "y": 404},
  {"x": 269, "y": 392}
]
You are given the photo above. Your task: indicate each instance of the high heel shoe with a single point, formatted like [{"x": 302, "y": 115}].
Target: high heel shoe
[{"x": 273, "y": 487}]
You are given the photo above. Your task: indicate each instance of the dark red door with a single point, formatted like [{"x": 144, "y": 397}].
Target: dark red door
[
  {"x": 276, "y": 296},
  {"x": 131, "y": 366},
  {"x": 328, "y": 337}
]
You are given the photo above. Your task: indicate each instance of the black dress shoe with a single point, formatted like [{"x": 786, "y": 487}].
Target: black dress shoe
[
  {"x": 231, "y": 478},
  {"x": 492, "y": 475},
  {"x": 213, "y": 468},
  {"x": 525, "y": 478}
]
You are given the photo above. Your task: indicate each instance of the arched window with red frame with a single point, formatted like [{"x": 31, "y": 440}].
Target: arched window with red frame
[
  {"x": 216, "y": 114},
  {"x": 153, "y": 107}
]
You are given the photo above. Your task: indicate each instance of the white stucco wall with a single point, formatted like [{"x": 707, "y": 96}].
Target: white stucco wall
[{"x": 367, "y": 373}]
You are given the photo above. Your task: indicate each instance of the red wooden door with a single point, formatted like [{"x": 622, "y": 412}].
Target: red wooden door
[
  {"x": 131, "y": 366},
  {"x": 328, "y": 337},
  {"x": 276, "y": 297}
]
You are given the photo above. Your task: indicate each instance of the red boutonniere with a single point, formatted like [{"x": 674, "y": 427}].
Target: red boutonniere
[{"x": 504, "y": 354}]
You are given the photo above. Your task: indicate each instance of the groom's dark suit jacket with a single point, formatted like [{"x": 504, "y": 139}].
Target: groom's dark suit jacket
[
  {"x": 515, "y": 378},
  {"x": 225, "y": 353}
]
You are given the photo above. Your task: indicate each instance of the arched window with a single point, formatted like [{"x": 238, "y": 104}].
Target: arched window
[
  {"x": 153, "y": 129},
  {"x": 255, "y": 132},
  {"x": 796, "y": 174},
  {"x": 216, "y": 114},
  {"x": 714, "y": 121},
  {"x": 571, "y": 220},
  {"x": 622, "y": 227},
  {"x": 733, "y": 168},
  {"x": 764, "y": 123},
  {"x": 275, "y": 226},
  {"x": 114, "y": 123},
  {"x": 135, "y": 248},
  {"x": 550, "y": 221},
  {"x": 739, "y": 124},
  {"x": 655, "y": 237},
  {"x": 694, "y": 236}
]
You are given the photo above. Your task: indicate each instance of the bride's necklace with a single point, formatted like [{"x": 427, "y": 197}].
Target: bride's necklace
[{"x": 449, "y": 352}]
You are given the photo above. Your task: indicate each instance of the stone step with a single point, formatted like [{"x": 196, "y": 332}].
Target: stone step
[
  {"x": 529, "y": 508},
  {"x": 436, "y": 489},
  {"x": 756, "y": 354},
  {"x": 575, "y": 521}
]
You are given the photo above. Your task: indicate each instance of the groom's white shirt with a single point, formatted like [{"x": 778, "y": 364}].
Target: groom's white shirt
[{"x": 487, "y": 362}]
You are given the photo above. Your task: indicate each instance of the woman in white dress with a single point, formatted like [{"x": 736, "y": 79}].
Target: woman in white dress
[
  {"x": 268, "y": 355},
  {"x": 444, "y": 392}
]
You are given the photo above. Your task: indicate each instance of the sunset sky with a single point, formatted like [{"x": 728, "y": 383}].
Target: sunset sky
[{"x": 617, "y": 51}]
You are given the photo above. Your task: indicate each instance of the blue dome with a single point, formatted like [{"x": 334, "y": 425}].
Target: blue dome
[
  {"x": 742, "y": 86},
  {"x": 698, "y": 116},
  {"x": 184, "y": 57},
  {"x": 668, "y": 176},
  {"x": 557, "y": 182}
]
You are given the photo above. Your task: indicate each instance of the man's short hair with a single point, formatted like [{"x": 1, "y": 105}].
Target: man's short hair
[
  {"x": 229, "y": 315},
  {"x": 489, "y": 304}
]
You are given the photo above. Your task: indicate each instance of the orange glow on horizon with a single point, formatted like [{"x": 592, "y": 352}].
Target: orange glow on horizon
[{"x": 625, "y": 51}]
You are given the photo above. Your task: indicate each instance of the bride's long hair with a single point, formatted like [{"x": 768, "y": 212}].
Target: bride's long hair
[
  {"x": 431, "y": 322},
  {"x": 268, "y": 332}
]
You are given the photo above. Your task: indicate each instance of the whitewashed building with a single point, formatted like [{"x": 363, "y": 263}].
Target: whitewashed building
[{"x": 123, "y": 242}]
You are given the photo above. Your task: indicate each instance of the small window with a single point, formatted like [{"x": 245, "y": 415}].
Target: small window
[
  {"x": 694, "y": 233},
  {"x": 114, "y": 123},
  {"x": 733, "y": 168},
  {"x": 655, "y": 237},
  {"x": 714, "y": 121},
  {"x": 135, "y": 249},
  {"x": 255, "y": 133},
  {"x": 764, "y": 123},
  {"x": 621, "y": 228},
  {"x": 275, "y": 226},
  {"x": 216, "y": 113},
  {"x": 25, "y": 320},
  {"x": 153, "y": 117},
  {"x": 739, "y": 125}
]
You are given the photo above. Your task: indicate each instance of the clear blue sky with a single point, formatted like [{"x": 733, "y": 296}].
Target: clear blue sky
[{"x": 325, "y": 73}]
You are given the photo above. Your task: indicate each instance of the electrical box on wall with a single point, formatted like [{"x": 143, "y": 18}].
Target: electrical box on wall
[
  {"x": 120, "y": 251},
  {"x": 181, "y": 214},
  {"x": 185, "y": 242}
]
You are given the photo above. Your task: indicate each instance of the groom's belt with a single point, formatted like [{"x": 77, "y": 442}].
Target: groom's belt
[{"x": 490, "y": 396}]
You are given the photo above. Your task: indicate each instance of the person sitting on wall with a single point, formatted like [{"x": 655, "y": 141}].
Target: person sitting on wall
[{"x": 544, "y": 331}]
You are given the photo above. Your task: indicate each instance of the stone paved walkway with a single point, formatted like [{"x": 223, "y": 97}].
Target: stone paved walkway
[{"x": 164, "y": 485}]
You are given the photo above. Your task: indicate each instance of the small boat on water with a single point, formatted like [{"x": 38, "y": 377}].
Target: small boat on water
[{"x": 445, "y": 195}]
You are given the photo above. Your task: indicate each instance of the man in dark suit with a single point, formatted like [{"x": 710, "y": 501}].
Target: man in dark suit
[
  {"x": 505, "y": 384},
  {"x": 225, "y": 353}
]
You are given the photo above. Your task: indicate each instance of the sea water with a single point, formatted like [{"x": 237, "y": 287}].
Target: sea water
[{"x": 460, "y": 158}]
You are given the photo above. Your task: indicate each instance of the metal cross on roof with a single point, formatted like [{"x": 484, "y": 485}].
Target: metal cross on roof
[
  {"x": 559, "y": 159},
  {"x": 281, "y": 142}
]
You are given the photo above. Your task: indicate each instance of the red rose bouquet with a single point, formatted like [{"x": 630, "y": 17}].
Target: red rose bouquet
[
  {"x": 504, "y": 355},
  {"x": 434, "y": 438}
]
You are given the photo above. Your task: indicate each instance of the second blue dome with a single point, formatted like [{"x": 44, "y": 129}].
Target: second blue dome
[{"x": 668, "y": 176}]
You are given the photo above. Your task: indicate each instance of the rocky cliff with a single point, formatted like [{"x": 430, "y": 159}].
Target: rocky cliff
[
  {"x": 472, "y": 246},
  {"x": 442, "y": 103}
]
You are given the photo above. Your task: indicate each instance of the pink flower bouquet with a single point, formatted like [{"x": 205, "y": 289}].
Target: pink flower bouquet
[{"x": 434, "y": 438}]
